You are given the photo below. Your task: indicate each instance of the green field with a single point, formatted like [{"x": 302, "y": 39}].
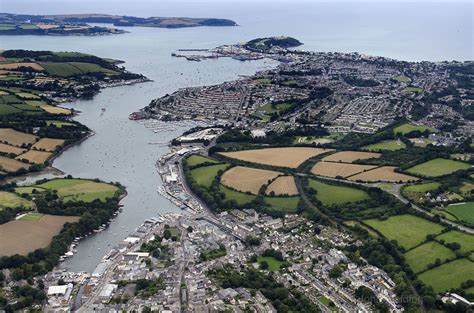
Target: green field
[
  {"x": 465, "y": 240},
  {"x": 80, "y": 189},
  {"x": 408, "y": 230},
  {"x": 312, "y": 140},
  {"x": 332, "y": 194},
  {"x": 390, "y": 145},
  {"x": 408, "y": 128},
  {"x": 413, "y": 89},
  {"x": 422, "y": 187},
  {"x": 421, "y": 256},
  {"x": 463, "y": 212},
  {"x": 402, "y": 79},
  {"x": 438, "y": 167},
  {"x": 66, "y": 69},
  {"x": 28, "y": 26},
  {"x": 369, "y": 230},
  {"x": 284, "y": 204},
  {"x": 34, "y": 216},
  {"x": 273, "y": 264},
  {"x": 205, "y": 175},
  {"x": 59, "y": 124},
  {"x": 11, "y": 200},
  {"x": 196, "y": 159},
  {"x": 449, "y": 275},
  {"x": 240, "y": 197},
  {"x": 28, "y": 190}
]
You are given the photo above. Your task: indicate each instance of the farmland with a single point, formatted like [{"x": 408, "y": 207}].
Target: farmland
[
  {"x": 246, "y": 179},
  {"x": 15, "y": 240},
  {"x": 35, "y": 157},
  {"x": 330, "y": 169},
  {"x": 283, "y": 185},
  {"x": 11, "y": 200},
  {"x": 462, "y": 211},
  {"x": 427, "y": 253},
  {"x": 205, "y": 175},
  {"x": 290, "y": 157},
  {"x": 384, "y": 173},
  {"x": 14, "y": 66},
  {"x": 408, "y": 230},
  {"x": 16, "y": 138},
  {"x": 11, "y": 149},
  {"x": 350, "y": 156},
  {"x": 11, "y": 165},
  {"x": 48, "y": 144},
  {"x": 79, "y": 189},
  {"x": 408, "y": 128},
  {"x": 437, "y": 167},
  {"x": 390, "y": 145},
  {"x": 449, "y": 275},
  {"x": 332, "y": 194}
]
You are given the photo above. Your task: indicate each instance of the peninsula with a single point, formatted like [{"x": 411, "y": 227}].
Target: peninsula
[{"x": 78, "y": 24}]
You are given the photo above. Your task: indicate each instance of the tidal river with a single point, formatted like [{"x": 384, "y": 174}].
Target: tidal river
[{"x": 126, "y": 151}]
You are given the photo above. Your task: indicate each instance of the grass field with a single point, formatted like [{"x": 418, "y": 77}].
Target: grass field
[
  {"x": 16, "y": 138},
  {"x": 331, "y": 169},
  {"x": 408, "y": 128},
  {"x": 413, "y": 89},
  {"x": 283, "y": 185},
  {"x": 421, "y": 256},
  {"x": 384, "y": 173},
  {"x": 11, "y": 200},
  {"x": 80, "y": 189},
  {"x": 283, "y": 204},
  {"x": 64, "y": 69},
  {"x": 402, "y": 79},
  {"x": 312, "y": 140},
  {"x": 370, "y": 231},
  {"x": 332, "y": 194},
  {"x": 449, "y": 275},
  {"x": 423, "y": 187},
  {"x": 290, "y": 157},
  {"x": 390, "y": 145},
  {"x": 205, "y": 175},
  {"x": 465, "y": 240},
  {"x": 350, "y": 156},
  {"x": 462, "y": 211},
  {"x": 196, "y": 159},
  {"x": 35, "y": 157},
  {"x": 239, "y": 197},
  {"x": 273, "y": 264},
  {"x": 59, "y": 124},
  {"x": 247, "y": 179},
  {"x": 438, "y": 167},
  {"x": 48, "y": 144},
  {"x": 24, "y": 236},
  {"x": 407, "y": 230}
]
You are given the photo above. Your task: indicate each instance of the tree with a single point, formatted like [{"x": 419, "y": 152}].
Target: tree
[
  {"x": 335, "y": 272},
  {"x": 264, "y": 265}
]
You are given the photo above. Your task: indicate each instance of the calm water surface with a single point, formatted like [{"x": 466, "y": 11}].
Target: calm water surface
[{"x": 126, "y": 151}]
